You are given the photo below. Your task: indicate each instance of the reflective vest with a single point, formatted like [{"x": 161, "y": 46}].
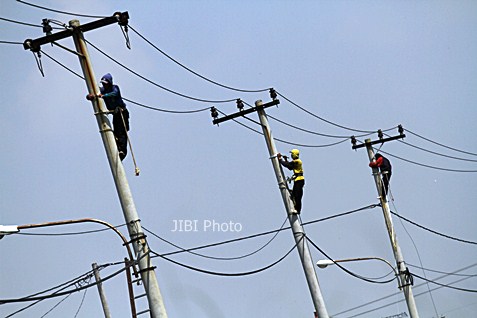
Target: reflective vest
[{"x": 297, "y": 170}]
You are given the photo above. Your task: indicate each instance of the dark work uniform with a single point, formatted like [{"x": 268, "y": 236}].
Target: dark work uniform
[
  {"x": 114, "y": 102},
  {"x": 384, "y": 166}
]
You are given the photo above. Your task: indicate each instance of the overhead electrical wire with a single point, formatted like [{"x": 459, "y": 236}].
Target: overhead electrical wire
[
  {"x": 431, "y": 296},
  {"x": 421, "y": 164},
  {"x": 62, "y": 12},
  {"x": 26, "y": 24},
  {"x": 227, "y": 274},
  {"x": 440, "y": 144},
  {"x": 322, "y": 119},
  {"x": 432, "y": 231},
  {"x": 193, "y": 72},
  {"x": 428, "y": 166},
  {"x": 238, "y": 89},
  {"x": 366, "y": 279},
  {"x": 285, "y": 141},
  {"x": 156, "y": 84},
  {"x": 220, "y": 258},
  {"x": 392, "y": 303},
  {"x": 167, "y": 110},
  {"x": 10, "y": 42},
  {"x": 397, "y": 293},
  {"x": 60, "y": 287},
  {"x": 434, "y": 152},
  {"x": 126, "y": 99},
  {"x": 59, "y": 294},
  {"x": 306, "y": 130},
  {"x": 272, "y": 231},
  {"x": 52, "y": 308},
  {"x": 69, "y": 233},
  {"x": 441, "y": 272}
]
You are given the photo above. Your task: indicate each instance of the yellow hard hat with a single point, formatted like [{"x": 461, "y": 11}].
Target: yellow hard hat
[{"x": 295, "y": 153}]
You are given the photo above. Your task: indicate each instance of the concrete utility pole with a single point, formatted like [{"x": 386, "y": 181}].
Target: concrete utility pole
[
  {"x": 138, "y": 239},
  {"x": 293, "y": 217},
  {"x": 104, "y": 302},
  {"x": 404, "y": 274}
]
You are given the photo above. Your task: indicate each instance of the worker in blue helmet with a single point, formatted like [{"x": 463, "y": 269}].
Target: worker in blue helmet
[
  {"x": 111, "y": 95},
  {"x": 298, "y": 179}
]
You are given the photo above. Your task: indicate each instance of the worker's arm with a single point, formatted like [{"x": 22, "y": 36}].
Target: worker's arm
[
  {"x": 376, "y": 163},
  {"x": 113, "y": 93}
]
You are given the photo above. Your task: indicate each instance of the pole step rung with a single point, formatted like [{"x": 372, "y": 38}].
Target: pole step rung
[
  {"x": 136, "y": 281},
  {"x": 139, "y": 296},
  {"x": 143, "y": 312}
]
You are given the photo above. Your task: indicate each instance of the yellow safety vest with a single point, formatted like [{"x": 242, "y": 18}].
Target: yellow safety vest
[{"x": 298, "y": 170}]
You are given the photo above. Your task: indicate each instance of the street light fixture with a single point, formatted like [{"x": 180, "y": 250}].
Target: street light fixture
[{"x": 8, "y": 229}]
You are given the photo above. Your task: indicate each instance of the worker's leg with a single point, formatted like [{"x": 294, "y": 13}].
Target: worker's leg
[
  {"x": 120, "y": 133},
  {"x": 298, "y": 194}
]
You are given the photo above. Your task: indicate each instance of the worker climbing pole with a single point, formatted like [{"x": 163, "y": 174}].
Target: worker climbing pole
[
  {"x": 298, "y": 178},
  {"x": 292, "y": 213},
  {"x": 137, "y": 237}
]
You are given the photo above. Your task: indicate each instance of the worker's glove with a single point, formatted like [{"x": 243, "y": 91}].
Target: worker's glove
[
  {"x": 90, "y": 97},
  {"x": 117, "y": 110},
  {"x": 279, "y": 156}
]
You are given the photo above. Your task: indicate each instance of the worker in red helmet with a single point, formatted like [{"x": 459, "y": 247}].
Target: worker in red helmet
[
  {"x": 298, "y": 179},
  {"x": 384, "y": 166}
]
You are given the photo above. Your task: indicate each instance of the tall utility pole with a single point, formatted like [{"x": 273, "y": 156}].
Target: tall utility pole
[
  {"x": 404, "y": 275},
  {"x": 137, "y": 237},
  {"x": 293, "y": 217},
  {"x": 102, "y": 296}
]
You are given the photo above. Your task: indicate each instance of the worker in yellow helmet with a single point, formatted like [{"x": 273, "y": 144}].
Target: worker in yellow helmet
[{"x": 298, "y": 179}]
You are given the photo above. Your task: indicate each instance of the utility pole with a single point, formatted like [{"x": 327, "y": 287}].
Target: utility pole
[
  {"x": 404, "y": 274},
  {"x": 293, "y": 217},
  {"x": 137, "y": 237},
  {"x": 104, "y": 302}
]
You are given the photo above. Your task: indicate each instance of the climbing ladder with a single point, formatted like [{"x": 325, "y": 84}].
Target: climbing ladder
[{"x": 134, "y": 279}]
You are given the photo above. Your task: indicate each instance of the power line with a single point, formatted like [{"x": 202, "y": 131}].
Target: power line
[
  {"x": 306, "y": 130},
  {"x": 272, "y": 231},
  {"x": 69, "y": 233},
  {"x": 11, "y": 42},
  {"x": 441, "y": 272},
  {"x": 220, "y": 258},
  {"x": 59, "y": 294},
  {"x": 440, "y": 144},
  {"x": 62, "y": 12},
  {"x": 156, "y": 84},
  {"x": 228, "y": 274},
  {"x": 167, "y": 110},
  {"x": 285, "y": 141},
  {"x": 348, "y": 271},
  {"x": 27, "y": 24},
  {"x": 419, "y": 258},
  {"x": 432, "y": 231},
  {"x": 436, "y": 153},
  {"x": 397, "y": 293},
  {"x": 129, "y": 100},
  {"x": 193, "y": 72},
  {"x": 367, "y": 132},
  {"x": 426, "y": 165}
]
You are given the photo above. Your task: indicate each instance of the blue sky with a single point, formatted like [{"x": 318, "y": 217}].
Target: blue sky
[{"x": 366, "y": 65}]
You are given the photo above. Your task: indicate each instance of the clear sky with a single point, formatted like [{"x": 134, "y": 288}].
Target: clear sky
[{"x": 365, "y": 65}]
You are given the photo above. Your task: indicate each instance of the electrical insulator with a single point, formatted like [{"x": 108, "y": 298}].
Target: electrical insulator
[
  {"x": 213, "y": 112},
  {"x": 273, "y": 94},
  {"x": 353, "y": 141},
  {"x": 400, "y": 130},
  {"x": 239, "y": 104},
  {"x": 380, "y": 134},
  {"x": 46, "y": 26}
]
